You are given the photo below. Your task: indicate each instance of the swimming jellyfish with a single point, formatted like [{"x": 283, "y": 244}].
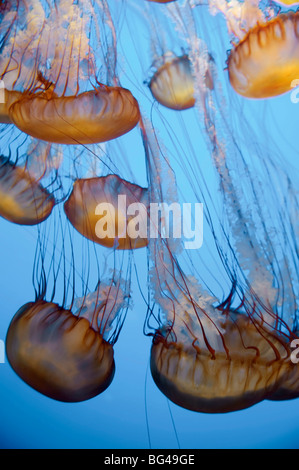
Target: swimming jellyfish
[
  {"x": 56, "y": 71},
  {"x": 103, "y": 209},
  {"x": 66, "y": 353},
  {"x": 23, "y": 200},
  {"x": 173, "y": 82},
  {"x": 264, "y": 59}
]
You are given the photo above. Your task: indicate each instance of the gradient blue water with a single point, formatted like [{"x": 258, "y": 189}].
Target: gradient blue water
[{"x": 119, "y": 417}]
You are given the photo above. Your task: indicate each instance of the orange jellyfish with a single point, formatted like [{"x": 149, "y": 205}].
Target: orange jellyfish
[
  {"x": 62, "y": 100},
  {"x": 22, "y": 199},
  {"x": 110, "y": 211},
  {"x": 64, "y": 348},
  {"x": 266, "y": 61},
  {"x": 218, "y": 360},
  {"x": 64, "y": 355},
  {"x": 245, "y": 366},
  {"x": 173, "y": 83},
  {"x": 58, "y": 354},
  {"x": 94, "y": 116}
]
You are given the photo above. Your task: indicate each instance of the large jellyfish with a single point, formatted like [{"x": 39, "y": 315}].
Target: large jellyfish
[
  {"x": 66, "y": 352},
  {"x": 264, "y": 62},
  {"x": 253, "y": 339},
  {"x": 243, "y": 367},
  {"x": 55, "y": 68},
  {"x": 57, "y": 353},
  {"x": 209, "y": 359}
]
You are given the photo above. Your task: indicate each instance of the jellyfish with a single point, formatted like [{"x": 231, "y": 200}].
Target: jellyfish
[
  {"x": 65, "y": 350},
  {"x": 90, "y": 117},
  {"x": 61, "y": 99},
  {"x": 172, "y": 84},
  {"x": 218, "y": 359},
  {"x": 170, "y": 78},
  {"x": 264, "y": 61},
  {"x": 245, "y": 367},
  {"x": 262, "y": 269},
  {"x": 23, "y": 200},
  {"x": 60, "y": 354},
  {"x": 116, "y": 201}
]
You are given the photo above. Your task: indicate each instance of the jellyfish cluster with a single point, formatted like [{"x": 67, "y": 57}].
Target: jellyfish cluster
[{"x": 222, "y": 318}]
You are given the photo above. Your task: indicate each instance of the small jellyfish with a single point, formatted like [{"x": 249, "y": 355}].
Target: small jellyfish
[
  {"x": 172, "y": 84},
  {"x": 110, "y": 211},
  {"x": 266, "y": 61},
  {"x": 22, "y": 199}
]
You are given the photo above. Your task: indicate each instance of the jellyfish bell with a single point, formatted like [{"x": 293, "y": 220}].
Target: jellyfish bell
[
  {"x": 57, "y": 70},
  {"x": 244, "y": 367},
  {"x": 172, "y": 84},
  {"x": 94, "y": 116},
  {"x": 99, "y": 209},
  {"x": 22, "y": 199},
  {"x": 57, "y": 353},
  {"x": 266, "y": 61}
]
